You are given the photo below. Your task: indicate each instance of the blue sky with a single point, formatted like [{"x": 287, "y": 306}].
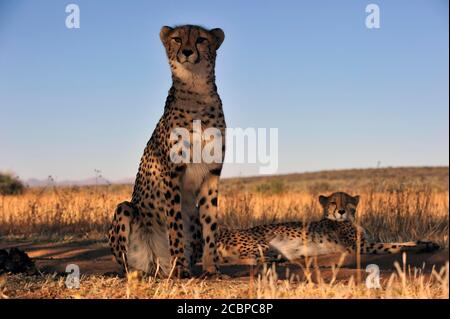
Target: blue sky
[{"x": 341, "y": 95}]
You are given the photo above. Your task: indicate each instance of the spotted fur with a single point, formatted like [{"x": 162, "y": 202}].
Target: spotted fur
[
  {"x": 172, "y": 215},
  {"x": 337, "y": 232}
]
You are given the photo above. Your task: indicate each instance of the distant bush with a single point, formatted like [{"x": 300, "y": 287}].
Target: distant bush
[
  {"x": 271, "y": 187},
  {"x": 10, "y": 185}
]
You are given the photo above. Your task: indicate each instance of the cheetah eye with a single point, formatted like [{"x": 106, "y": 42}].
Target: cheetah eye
[
  {"x": 201, "y": 40},
  {"x": 176, "y": 39}
]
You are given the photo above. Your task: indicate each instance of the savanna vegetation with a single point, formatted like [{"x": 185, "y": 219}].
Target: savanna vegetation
[{"x": 397, "y": 204}]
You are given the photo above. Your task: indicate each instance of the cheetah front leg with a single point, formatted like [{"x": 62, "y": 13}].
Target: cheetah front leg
[
  {"x": 207, "y": 205},
  {"x": 192, "y": 228},
  {"x": 174, "y": 220}
]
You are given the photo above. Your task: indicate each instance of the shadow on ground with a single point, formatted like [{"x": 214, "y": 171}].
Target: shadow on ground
[{"x": 94, "y": 258}]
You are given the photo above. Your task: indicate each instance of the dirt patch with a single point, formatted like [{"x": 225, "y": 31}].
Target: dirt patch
[{"x": 94, "y": 258}]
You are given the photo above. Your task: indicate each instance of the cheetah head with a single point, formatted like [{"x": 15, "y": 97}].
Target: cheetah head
[
  {"x": 339, "y": 206},
  {"x": 191, "y": 47}
]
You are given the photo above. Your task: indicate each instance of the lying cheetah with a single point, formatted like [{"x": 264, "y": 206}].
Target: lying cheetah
[
  {"x": 335, "y": 233},
  {"x": 173, "y": 210}
]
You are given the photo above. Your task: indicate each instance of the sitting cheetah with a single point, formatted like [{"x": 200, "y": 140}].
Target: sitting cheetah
[
  {"x": 173, "y": 211},
  {"x": 335, "y": 233}
]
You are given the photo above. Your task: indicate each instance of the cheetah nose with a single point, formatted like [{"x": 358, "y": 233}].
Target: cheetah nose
[
  {"x": 341, "y": 211},
  {"x": 187, "y": 53}
]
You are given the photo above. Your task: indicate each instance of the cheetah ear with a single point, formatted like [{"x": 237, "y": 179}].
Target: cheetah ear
[
  {"x": 356, "y": 199},
  {"x": 323, "y": 200},
  {"x": 164, "y": 33},
  {"x": 219, "y": 35}
]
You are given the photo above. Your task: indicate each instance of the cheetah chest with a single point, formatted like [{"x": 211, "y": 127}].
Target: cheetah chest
[
  {"x": 295, "y": 248},
  {"x": 194, "y": 176}
]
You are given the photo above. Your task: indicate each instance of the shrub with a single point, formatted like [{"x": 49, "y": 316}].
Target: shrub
[{"x": 10, "y": 185}]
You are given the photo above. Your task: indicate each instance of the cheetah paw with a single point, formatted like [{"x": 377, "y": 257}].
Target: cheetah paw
[{"x": 181, "y": 273}]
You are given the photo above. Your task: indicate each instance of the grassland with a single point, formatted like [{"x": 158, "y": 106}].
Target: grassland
[{"x": 398, "y": 204}]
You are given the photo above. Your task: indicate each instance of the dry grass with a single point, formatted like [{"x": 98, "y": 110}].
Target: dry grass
[
  {"x": 390, "y": 211},
  {"x": 400, "y": 284},
  {"x": 393, "y": 208}
]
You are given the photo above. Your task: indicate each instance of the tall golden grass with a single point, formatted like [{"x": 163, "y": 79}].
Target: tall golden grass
[
  {"x": 393, "y": 215},
  {"x": 391, "y": 209}
]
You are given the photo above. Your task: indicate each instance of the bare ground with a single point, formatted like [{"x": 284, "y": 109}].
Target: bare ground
[{"x": 94, "y": 258}]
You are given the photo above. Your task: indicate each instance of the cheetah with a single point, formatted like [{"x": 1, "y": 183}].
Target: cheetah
[
  {"x": 171, "y": 220},
  {"x": 336, "y": 232}
]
